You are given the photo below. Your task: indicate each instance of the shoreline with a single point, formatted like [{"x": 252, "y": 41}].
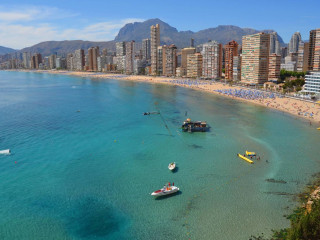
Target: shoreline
[{"x": 286, "y": 105}]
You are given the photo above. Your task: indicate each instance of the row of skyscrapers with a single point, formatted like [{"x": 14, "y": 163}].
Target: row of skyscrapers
[{"x": 259, "y": 59}]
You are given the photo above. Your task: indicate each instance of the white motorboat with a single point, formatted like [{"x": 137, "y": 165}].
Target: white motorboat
[
  {"x": 172, "y": 166},
  {"x": 166, "y": 190},
  {"x": 5, "y": 152}
]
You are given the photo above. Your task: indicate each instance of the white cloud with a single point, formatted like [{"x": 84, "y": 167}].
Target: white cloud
[
  {"x": 19, "y": 35},
  {"x": 32, "y": 13}
]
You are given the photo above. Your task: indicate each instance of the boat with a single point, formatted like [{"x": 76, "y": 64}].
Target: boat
[
  {"x": 149, "y": 113},
  {"x": 244, "y": 158},
  {"x": 166, "y": 190},
  {"x": 5, "y": 152},
  {"x": 194, "y": 126},
  {"x": 172, "y": 166},
  {"x": 250, "y": 154}
]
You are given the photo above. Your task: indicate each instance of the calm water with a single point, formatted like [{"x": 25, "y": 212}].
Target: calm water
[{"x": 89, "y": 174}]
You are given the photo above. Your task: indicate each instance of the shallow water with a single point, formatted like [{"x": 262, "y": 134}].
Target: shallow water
[{"x": 85, "y": 160}]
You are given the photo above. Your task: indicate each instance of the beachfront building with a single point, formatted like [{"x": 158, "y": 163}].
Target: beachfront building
[
  {"x": 170, "y": 61},
  {"x": 52, "y": 61},
  {"x": 294, "y": 42},
  {"x": 61, "y": 63},
  {"x": 70, "y": 65},
  {"x": 161, "y": 55},
  {"x": 303, "y": 56},
  {"x": 26, "y": 60},
  {"x": 314, "y": 50},
  {"x": 36, "y": 60},
  {"x": 154, "y": 44},
  {"x": 120, "y": 49},
  {"x": 255, "y": 58},
  {"x": 130, "y": 53},
  {"x": 194, "y": 65},
  {"x": 312, "y": 84},
  {"x": 184, "y": 54},
  {"x": 274, "y": 67},
  {"x": 236, "y": 68},
  {"x": 78, "y": 60},
  {"x": 146, "y": 49},
  {"x": 93, "y": 54},
  {"x": 231, "y": 51},
  {"x": 211, "y": 60}
]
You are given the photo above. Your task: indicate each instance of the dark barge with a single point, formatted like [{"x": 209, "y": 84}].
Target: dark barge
[{"x": 194, "y": 126}]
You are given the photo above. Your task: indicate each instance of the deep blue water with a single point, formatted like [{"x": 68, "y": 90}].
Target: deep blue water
[{"x": 85, "y": 160}]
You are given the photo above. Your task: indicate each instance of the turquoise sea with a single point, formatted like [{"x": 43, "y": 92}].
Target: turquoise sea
[{"x": 85, "y": 160}]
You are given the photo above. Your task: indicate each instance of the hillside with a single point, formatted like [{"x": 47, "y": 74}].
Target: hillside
[
  {"x": 64, "y": 47},
  {"x": 5, "y": 50},
  {"x": 141, "y": 30},
  {"x": 223, "y": 34}
]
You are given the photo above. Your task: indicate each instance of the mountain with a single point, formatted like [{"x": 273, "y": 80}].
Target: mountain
[
  {"x": 64, "y": 47},
  {"x": 168, "y": 35},
  {"x": 5, "y": 50},
  {"x": 141, "y": 30}
]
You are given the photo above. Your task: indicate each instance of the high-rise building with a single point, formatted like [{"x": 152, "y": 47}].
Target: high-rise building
[
  {"x": 36, "y": 59},
  {"x": 130, "y": 53},
  {"x": 294, "y": 42},
  {"x": 154, "y": 44},
  {"x": 314, "y": 50},
  {"x": 303, "y": 56},
  {"x": 161, "y": 56},
  {"x": 274, "y": 44},
  {"x": 52, "y": 61},
  {"x": 274, "y": 67},
  {"x": 236, "y": 68},
  {"x": 101, "y": 63},
  {"x": 312, "y": 84},
  {"x": 70, "y": 65},
  {"x": 255, "y": 58},
  {"x": 192, "y": 43},
  {"x": 184, "y": 55},
  {"x": 79, "y": 60},
  {"x": 146, "y": 49},
  {"x": 170, "y": 63},
  {"x": 46, "y": 63},
  {"x": 93, "y": 54},
  {"x": 231, "y": 51},
  {"x": 104, "y": 52},
  {"x": 26, "y": 60},
  {"x": 194, "y": 65},
  {"x": 212, "y": 60},
  {"x": 60, "y": 63},
  {"x": 120, "y": 49}
]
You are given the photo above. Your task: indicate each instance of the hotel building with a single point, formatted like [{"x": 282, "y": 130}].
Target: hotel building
[
  {"x": 231, "y": 51},
  {"x": 194, "y": 65},
  {"x": 255, "y": 58},
  {"x": 212, "y": 60},
  {"x": 154, "y": 44}
]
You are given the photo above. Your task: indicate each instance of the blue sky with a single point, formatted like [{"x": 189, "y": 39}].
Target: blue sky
[{"x": 25, "y": 23}]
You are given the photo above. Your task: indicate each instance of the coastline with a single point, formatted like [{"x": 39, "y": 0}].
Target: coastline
[{"x": 287, "y": 105}]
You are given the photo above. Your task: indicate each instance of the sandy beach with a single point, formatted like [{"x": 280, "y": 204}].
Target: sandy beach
[{"x": 307, "y": 110}]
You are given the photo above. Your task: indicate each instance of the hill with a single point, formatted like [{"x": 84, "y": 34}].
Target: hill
[
  {"x": 168, "y": 34},
  {"x": 64, "y": 47},
  {"x": 5, "y": 50},
  {"x": 141, "y": 30}
]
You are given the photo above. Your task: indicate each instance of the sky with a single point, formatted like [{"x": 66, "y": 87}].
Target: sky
[{"x": 25, "y": 23}]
